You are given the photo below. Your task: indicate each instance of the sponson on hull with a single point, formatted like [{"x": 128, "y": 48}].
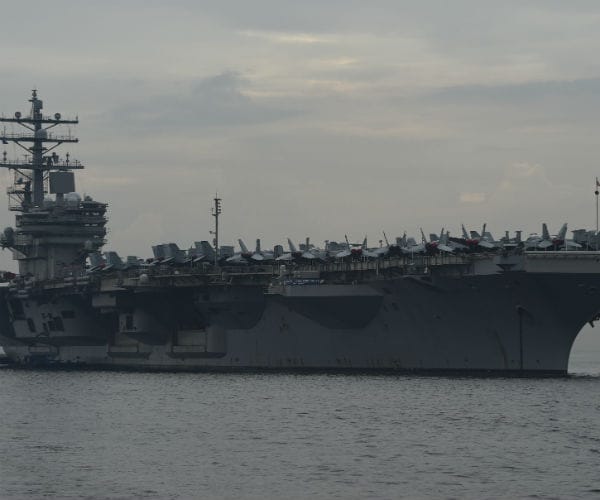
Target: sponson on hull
[{"x": 488, "y": 309}]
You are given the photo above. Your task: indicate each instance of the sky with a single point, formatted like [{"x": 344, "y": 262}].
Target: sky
[{"x": 316, "y": 118}]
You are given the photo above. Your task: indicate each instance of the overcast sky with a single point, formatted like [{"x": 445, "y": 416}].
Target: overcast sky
[{"x": 317, "y": 118}]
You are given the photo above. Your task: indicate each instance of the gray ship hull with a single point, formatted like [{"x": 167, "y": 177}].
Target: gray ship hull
[
  {"x": 468, "y": 305},
  {"x": 516, "y": 321}
]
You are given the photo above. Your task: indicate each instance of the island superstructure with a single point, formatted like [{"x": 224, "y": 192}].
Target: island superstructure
[
  {"x": 52, "y": 235},
  {"x": 470, "y": 304}
]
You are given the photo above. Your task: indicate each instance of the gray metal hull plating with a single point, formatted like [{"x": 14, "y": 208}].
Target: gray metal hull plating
[{"x": 504, "y": 322}]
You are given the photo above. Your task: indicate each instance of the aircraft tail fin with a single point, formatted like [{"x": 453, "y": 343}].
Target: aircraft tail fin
[
  {"x": 562, "y": 234},
  {"x": 443, "y": 237},
  {"x": 96, "y": 259},
  {"x": 243, "y": 246},
  {"x": 113, "y": 259},
  {"x": 545, "y": 233},
  {"x": 293, "y": 248},
  {"x": 387, "y": 243},
  {"x": 207, "y": 249},
  {"x": 464, "y": 232},
  {"x": 173, "y": 251},
  {"x": 158, "y": 251}
]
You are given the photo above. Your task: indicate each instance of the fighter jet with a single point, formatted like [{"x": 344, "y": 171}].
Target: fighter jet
[
  {"x": 356, "y": 251},
  {"x": 261, "y": 255},
  {"x": 473, "y": 239},
  {"x": 367, "y": 253},
  {"x": 509, "y": 243},
  {"x": 532, "y": 241},
  {"x": 550, "y": 241},
  {"x": 113, "y": 261},
  {"x": 97, "y": 262},
  {"x": 443, "y": 244},
  {"x": 318, "y": 253},
  {"x": 294, "y": 254},
  {"x": 536, "y": 242},
  {"x": 382, "y": 251},
  {"x": 240, "y": 258},
  {"x": 434, "y": 245},
  {"x": 202, "y": 251},
  {"x": 134, "y": 262},
  {"x": 168, "y": 253},
  {"x": 410, "y": 246},
  {"x": 556, "y": 242}
]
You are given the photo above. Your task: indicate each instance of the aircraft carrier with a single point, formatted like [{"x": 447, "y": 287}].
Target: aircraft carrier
[{"x": 447, "y": 305}]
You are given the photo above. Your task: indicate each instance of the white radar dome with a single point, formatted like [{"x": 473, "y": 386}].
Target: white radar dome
[{"x": 72, "y": 199}]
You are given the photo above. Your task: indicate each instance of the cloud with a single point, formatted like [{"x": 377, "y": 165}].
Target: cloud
[
  {"x": 291, "y": 37},
  {"x": 110, "y": 181},
  {"x": 524, "y": 176},
  {"x": 400, "y": 129},
  {"x": 429, "y": 113},
  {"x": 215, "y": 101},
  {"x": 473, "y": 198},
  {"x": 338, "y": 62},
  {"x": 529, "y": 92}
]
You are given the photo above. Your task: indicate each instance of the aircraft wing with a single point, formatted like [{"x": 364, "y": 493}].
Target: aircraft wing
[
  {"x": 285, "y": 257},
  {"x": 570, "y": 244},
  {"x": 445, "y": 248},
  {"x": 369, "y": 254}
]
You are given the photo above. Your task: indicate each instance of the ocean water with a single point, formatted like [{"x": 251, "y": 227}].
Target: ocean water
[{"x": 149, "y": 435}]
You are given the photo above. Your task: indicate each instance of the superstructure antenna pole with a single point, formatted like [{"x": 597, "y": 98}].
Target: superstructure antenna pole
[
  {"x": 596, "y": 192},
  {"x": 216, "y": 212}
]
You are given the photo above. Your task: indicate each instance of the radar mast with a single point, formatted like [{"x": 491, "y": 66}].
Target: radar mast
[
  {"x": 53, "y": 235},
  {"x": 33, "y": 174},
  {"x": 216, "y": 211}
]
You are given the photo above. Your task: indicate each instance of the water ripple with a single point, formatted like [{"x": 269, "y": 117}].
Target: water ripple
[{"x": 133, "y": 435}]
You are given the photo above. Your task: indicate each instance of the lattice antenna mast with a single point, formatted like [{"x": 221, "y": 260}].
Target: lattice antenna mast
[
  {"x": 31, "y": 173},
  {"x": 216, "y": 211}
]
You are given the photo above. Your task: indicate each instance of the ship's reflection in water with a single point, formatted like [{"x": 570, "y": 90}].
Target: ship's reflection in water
[{"x": 165, "y": 435}]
